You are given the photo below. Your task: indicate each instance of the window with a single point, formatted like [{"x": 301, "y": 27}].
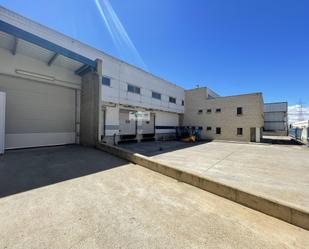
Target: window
[
  {"x": 208, "y": 128},
  {"x": 134, "y": 89},
  {"x": 200, "y": 111},
  {"x": 106, "y": 81},
  {"x": 210, "y": 97},
  {"x": 239, "y": 131},
  {"x": 172, "y": 100},
  {"x": 208, "y": 110},
  {"x": 218, "y": 110},
  {"x": 182, "y": 102},
  {"x": 239, "y": 110},
  {"x": 156, "y": 95},
  {"x": 218, "y": 130}
]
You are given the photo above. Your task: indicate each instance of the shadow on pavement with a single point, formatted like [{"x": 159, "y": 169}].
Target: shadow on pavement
[{"x": 22, "y": 170}]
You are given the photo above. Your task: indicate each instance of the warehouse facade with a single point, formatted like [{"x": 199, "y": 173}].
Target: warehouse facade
[
  {"x": 236, "y": 118},
  {"x": 60, "y": 91}
]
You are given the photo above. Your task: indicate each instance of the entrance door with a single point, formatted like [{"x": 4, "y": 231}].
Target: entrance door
[{"x": 253, "y": 134}]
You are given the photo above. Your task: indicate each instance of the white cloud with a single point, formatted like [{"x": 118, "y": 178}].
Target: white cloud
[{"x": 295, "y": 111}]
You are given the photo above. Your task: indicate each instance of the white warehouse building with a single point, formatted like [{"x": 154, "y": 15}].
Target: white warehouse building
[{"x": 61, "y": 91}]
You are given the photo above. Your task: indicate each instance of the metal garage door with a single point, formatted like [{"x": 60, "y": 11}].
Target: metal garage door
[
  {"x": 126, "y": 126},
  {"x": 148, "y": 127},
  {"x": 38, "y": 114}
]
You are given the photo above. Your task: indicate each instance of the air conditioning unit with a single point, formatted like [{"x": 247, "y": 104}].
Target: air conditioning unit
[{"x": 2, "y": 122}]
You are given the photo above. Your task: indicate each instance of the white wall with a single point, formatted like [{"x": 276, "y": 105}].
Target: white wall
[{"x": 120, "y": 72}]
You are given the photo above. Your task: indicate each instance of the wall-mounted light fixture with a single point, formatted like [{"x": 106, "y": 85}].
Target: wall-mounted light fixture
[{"x": 34, "y": 75}]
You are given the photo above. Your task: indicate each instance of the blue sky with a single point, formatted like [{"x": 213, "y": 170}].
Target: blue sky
[{"x": 231, "y": 46}]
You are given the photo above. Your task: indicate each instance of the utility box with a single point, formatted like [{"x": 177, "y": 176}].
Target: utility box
[{"x": 2, "y": 122}]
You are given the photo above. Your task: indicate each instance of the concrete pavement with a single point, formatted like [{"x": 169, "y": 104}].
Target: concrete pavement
[{"x": 132, "y": 207}]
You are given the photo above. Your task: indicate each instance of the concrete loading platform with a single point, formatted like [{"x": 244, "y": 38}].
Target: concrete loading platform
[
  {"x": 274, "y": 174},
  {"x": 90, "y": 199}
]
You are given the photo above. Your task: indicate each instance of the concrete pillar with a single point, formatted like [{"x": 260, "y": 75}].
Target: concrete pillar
[
  {"x": 258, "y": 134},
  {"x": 90, "y": 113}
]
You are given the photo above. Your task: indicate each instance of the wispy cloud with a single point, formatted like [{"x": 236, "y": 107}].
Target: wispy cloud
[
  {"x": 121, "y": 39},
  {"x": 298, "y": 113}
]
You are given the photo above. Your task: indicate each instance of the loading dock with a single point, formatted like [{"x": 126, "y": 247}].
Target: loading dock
[
  {"x": 148, "y": 128},
  {"x": 127, "y": 127},
  {"x": 45, "y": 86},
  {"x": 38, "y": 114}
]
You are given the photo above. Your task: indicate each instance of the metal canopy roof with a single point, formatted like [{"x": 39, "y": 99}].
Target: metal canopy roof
[{"x": 19, "y": 41}]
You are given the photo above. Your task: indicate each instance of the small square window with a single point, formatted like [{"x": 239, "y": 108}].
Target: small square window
[
  {"x": 106, "y": 81},
  {"x": 200, "y": 111},
  {"x": 182, "y": 102},
  {"x": 218, "y": 130},
  {"x": 218, "y": 110},
  {"x": 208, "y": 110},
  {"x": 239, "y": 111},
  {"x": 239, "y": 131},
  {"x": 208, "y": 128},
  {"x": 172, "y": 100}
]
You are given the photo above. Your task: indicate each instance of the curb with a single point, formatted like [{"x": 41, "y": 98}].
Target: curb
[{"x": 292, "y": 215}]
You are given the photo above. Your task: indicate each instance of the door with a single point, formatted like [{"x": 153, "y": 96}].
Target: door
[
  {"x": 252, "y": 134},
  {"x": 126, "y": 126},
  {"x": 38, "y": 114},
  {"x": 148, "y": 127}
]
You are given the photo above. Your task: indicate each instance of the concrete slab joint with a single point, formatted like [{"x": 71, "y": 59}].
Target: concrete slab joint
[{"x": 270, "y": 207}]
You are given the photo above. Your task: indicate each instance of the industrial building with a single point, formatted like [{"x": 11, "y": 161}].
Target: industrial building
[
  {"x": 276, "y": 119},
  {"x": 237, "y": 118},
  {"x": 60, "y": 91}
]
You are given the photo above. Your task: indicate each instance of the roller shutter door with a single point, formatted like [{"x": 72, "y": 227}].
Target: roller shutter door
[
  {"x": 148, "y": 127},
  {"x": 38, "y": 114},
  {"x": 126, "y": 126}
]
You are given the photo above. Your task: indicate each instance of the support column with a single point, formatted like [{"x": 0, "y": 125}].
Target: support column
[
  {"x": 90, "y": 113},
  {"x": 258, "y": 134}
]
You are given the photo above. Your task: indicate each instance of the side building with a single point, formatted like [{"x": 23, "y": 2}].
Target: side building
[
  {"x": 236, "y": 118},
  {"x": 276, "y": 118}
]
